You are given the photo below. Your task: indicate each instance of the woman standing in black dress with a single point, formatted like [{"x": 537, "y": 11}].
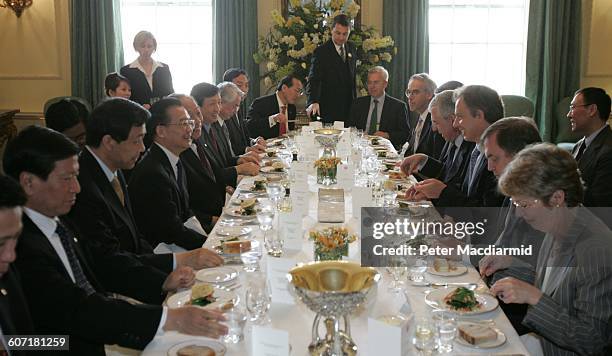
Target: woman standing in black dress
[{"x": 150, "y": 80}]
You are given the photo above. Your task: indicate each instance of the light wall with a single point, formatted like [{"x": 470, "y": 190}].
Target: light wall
[{"x": 35, "y": 60}]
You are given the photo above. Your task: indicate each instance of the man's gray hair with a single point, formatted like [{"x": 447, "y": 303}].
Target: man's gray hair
[
  {"x": 430, "y": 85},
  {"x": 229, "y": 92},
  {"x": 445, "y": 103},
  {"x": 381, "y": 70}
]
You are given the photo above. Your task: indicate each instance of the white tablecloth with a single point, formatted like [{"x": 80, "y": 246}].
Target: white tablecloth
[{"x": 297, "y": 319}]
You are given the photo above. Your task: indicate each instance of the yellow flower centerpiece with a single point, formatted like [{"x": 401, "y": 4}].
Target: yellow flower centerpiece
[
  {"x": 327, "y": 170},
  {"x": 331, "y": 243},
  {"x": 288, "y": 46}
]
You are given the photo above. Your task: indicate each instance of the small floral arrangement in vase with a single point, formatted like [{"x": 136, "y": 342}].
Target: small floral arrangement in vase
[
  {"x": 331, "y": 243},
  {"x": 327, "y": 169}
]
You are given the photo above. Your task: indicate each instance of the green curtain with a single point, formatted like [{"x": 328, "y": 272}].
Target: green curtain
[
  {"x": 235, "y": 40},
  {"x": 407, "y": 22},
  {"x": 553, "y": 58},
  {"x": 95, "y": 45}
]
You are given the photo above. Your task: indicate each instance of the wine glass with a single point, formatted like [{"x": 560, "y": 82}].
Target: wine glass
[
  {"x": 397, "y": 272},
  {"x": 275, "y": 191},
  {"x": 418, "y": 269},
  {"x": 258, "y": 301},
  {"x": 265, "y": 216},
  {"x": 250, "y": 256},
  {"x": 424, "y": 335}
]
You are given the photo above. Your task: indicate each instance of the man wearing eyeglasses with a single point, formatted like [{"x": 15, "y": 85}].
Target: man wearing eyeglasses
[
  {"x": 274, "y": 115},
  {"x": 588, "y": 115},
  {"x": 158, "y": 185}
]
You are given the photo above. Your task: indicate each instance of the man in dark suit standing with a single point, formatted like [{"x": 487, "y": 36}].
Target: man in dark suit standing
[
  {"x": 14, "y": 312},
  {"x": 589, "y": 113},
  {"x": 53, "y": 258},
  {"x": 380, "y": 114},
  {"x": 453, "y": 163},
  {"x": 270, "y": 115},
  {"x": 103, "y": 212},
  {"x": 476, "y": 107},
  {"x": 158, "y": 186},
  {"x": 331, "y": 84},
  {"x": 423, "y": 138}
]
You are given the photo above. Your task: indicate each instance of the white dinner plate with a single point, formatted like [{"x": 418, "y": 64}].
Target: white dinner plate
[
  {"x": 234, "y": 211},
  {"x": 218, "y": 347},
  {"x": 181, "y": 299},
  {"x": 216, "y": 275},
  {"x": 219, "y": 249},
  {"x": 501, "y": 338},
  {"x": 250, "y": 188},
  {"x": 271, "y": 170},
  {"x": 459, "y": 270},
  {"x": 227, "y": 231},
  {"x": 435, "y": 299}
]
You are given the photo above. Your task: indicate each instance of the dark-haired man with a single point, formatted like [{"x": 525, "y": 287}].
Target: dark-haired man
[
  {"x": 332, "y": 84},
  {"x": 103, "y": 211},
  {"x": 14, "y": 313},
  {"x": 269, "y": 115},
  {"x": 68, "y": 117},
  {"x": 57, "y": 270},
  {"x": 589, "y": 113},
  {"x": 158, "y": 186}
]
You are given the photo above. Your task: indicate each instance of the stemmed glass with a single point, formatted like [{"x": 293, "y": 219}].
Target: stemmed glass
[
  {"x": 250, "y": 256},
  {"x": 265, "y": 217},
  {"x": 258, "y": 301},
  {"x": 397, "y": 273},
  {"x": 275, "y": 191}
]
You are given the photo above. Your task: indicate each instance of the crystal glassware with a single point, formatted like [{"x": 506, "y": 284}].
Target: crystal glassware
[
  {"x": 258, "y": 301},
  {"x": 424, "y": 335},
  {"x": 446, "y": 327},
  {"x": 250, "y": 256},
  {"x": 235, "y": 319}
]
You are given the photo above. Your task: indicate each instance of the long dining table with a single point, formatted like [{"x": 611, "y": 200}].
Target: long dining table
[{"x": 297, "y": 319}]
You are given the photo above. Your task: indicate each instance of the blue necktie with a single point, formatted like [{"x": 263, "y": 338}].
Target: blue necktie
[{"x": 79, "y": 276}]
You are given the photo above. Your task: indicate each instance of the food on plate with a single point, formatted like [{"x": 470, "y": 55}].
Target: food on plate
[
  {"x": 444, "y": 265},
  {"x": 396, "y": 175},
  {"x": 202, "y": 295},
  {"x": 381, "y": 153},
  {"x": 278, "y": 166},
  {"x": 235, "y": 246},
  {"x": 476, "y": 334},
  {"x": 196, "y": 350},
  {"x": 462, "y": 299},
  {"x": 375, "y": 140},
  {"x": 259, "y": 184},
  {"x": 389, "y": 185},
  {"x": 271, "y": 152},
  {"x": 247, "y": 207}
]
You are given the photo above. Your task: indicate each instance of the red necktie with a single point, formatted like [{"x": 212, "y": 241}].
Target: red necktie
[{"x": 283, "y": 126}]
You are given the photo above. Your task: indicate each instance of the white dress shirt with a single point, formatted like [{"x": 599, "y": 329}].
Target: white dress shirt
[
  {"x": 379, "y": 106},
  {"x": 271, "y": 120},
  {"x": 172, "y": 158}
]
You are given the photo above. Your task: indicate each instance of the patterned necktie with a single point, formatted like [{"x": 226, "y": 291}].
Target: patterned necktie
[
  {"x": 417, "y": 134},
  {"x": 282, "y": 128},
  {"x": 373, "y": 118},
  {"x": 117, "y": 188},
  {"x": 581, "y": 150},
  {"x": 79, "y": 276},
  {"x": 204, "y": 160},
  {"x": 342, "y": 54}
]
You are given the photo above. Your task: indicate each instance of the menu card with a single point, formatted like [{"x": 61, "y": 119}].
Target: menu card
[
  {"x": 277, "y": 279},
  {"x": 291, "y": 225},
  {"x": 299, "y": 169},
  {"x": 339, "y": 124},
  {"x": 362, "y": 197},
  {"x": 269, "y": 342},
  {"x": 316, "y": 124},
  {"x": 388, "y": 335},
  {"x": 300, "y": 196},
  {"x": 346, "y": 176}
]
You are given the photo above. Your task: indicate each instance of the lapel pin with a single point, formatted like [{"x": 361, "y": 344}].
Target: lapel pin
[{"x": 3, "y": 291}]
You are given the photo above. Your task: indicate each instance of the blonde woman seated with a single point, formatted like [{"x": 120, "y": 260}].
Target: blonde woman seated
[{"x": 570, "y": 292}]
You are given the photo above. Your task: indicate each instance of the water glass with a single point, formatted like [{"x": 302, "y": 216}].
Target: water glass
[
  {"x": 274, "y": 243},
  {"x": 417, "y": 270},
  {"x": 446, "y": 327},
  {"x": 424, "y": 335},
  {"x": 389, "y": 196},
  {"x": 235, "y": 321},
  {"x": 275, "y": 191},
  {"x": 250, "y": 256},
  {"x": 397, "y": 274},
  {"x": 258, "y": 301}
]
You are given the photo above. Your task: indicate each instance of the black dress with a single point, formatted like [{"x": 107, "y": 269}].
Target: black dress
[{"x": 141, "y": 91}]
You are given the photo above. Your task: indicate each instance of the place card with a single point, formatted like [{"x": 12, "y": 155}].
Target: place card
[
  {"x": 388, "y": 335},
  {"x": 346, "y": 176},
  {"x": 316, "y": 124},
  {"x": 291, "y": 225},
  {"x": 299, "y": 169},
  {"x": 277, "y": 279},
  {"x": 361, "y": 197},
  {"x": 339, "y": 125},
  {"x": 267, "y": 341},
  {"x": 300, "y": 196}
]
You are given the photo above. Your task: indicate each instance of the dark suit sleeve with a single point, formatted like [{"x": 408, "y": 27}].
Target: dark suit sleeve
[
  {"x": 353, "y": 117},
  {"x": 315, "y": 77},
  {"x": 598, "y": 192},
  {"x": 161, "y": 222},
  {"x": 432, "y": 168},
  {"x": 257, "y": 118},
  {"x": 57, "y": 304},
  {"x": 398, "y": 130}
]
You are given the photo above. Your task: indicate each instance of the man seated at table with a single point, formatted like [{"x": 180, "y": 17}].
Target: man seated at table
[
  {"x": 208, "y": 100},
  {"x": 476, "y": 107},
  {"x": 65, "y": 116},
  {"x": 103, "y": 211},
  {"x": 380, "y": 114},
  {"x": 14, "y": 312},
  {"x": 422, "y": 139},
  {"x": 158, "y": 187},
  {"x": 62, "y": 290},
  {"x": 453, "y": 163},
  {"x": 274, "y": 115},
  {"x": 589, "y": 113},
  {"x": 568, "y": 293}
]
